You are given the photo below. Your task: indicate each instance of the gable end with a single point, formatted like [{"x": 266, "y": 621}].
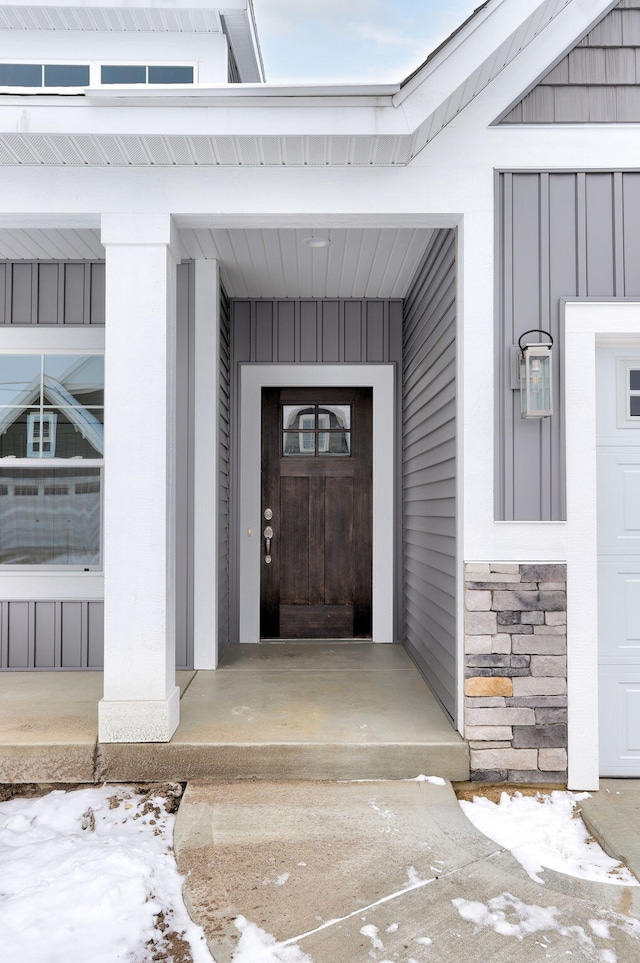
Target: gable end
[{"x": 597, "y": 82}]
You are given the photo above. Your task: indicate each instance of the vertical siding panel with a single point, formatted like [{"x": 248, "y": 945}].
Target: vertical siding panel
[
  {"x": 581, "y": 232},
  {"x": 21, "y": 293},
  {"x": 74, "y": 294},
  {"x": 95, "y": 622},
  {"x": 3, "y": 292},
  {"x": 352, "y": 332},
  {"x": 330, "y": 322},
  {"x": 545, "y": 324},
  {"x": 429, "y": 468},
  {"x": 18, "y": 631},
  {"x": 527, "y": 484},
  {"x": 97, "y": 293},
  {"x": 47, "y": 279},
  {"x": 308, "y": 331},
  {"x": 4, "y": 635},
  {"x": 393, "y": 346},
  {"x": 563, "y": 282},
  {"x": 505, "y": 337},
  {"x": 631, "y": 235},
  {"x": 242, "y": 330},
  {"x": 374, "y": 332},
  {"x": 618, "y": 236},
  {"x": 599, "y": 219},
  {"x": 71, "y": 635},
  {"x": 45, "y": 635},
  {"x": 286, "y": 331}
]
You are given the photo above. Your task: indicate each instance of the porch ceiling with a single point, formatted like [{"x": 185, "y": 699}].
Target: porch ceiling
[
  {"x": 265, "y": 263},
  {"x": 276, "y": 263}
]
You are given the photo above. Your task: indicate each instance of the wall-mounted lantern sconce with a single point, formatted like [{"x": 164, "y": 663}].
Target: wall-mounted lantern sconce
[{"x": 535, "y": 376}]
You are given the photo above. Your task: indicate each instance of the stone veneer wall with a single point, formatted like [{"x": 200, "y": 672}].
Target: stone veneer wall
[{"x": 516, "y": 672}]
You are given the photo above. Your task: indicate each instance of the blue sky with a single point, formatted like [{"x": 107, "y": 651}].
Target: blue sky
[{"x": 368, "y": 41}]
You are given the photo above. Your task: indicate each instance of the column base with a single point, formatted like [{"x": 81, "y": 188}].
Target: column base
[{"x": 139, "y": 720}]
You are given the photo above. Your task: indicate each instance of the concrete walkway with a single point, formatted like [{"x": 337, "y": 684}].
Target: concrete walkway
[
  {"x": 279, "y": 711},
  {"x": 355, "y": 872}
]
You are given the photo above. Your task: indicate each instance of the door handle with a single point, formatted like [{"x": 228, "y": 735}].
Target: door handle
[{"x": 268, "y": 535}]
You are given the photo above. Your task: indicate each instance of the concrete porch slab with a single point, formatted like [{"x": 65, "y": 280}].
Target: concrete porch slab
[
  {"x": 302, "y": 711},
  {"x": 276, "y": 711}
]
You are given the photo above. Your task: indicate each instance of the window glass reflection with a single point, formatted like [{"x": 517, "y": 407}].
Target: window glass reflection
[
  {"x": 74, "y": 380},
  {"x": 52, "y": 406},
  {"x": 66, "y": 75},
  {"x": 50, "y": 516},
  {"x": 20, "y": 379},
  {"x": 316, "y": 429}
]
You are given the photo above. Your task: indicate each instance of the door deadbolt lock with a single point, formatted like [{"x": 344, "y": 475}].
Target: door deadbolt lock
[{"x": 268, "y": 514}]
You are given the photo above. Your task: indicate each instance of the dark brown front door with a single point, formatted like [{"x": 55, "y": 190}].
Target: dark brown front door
[{"x": 316, "y": 500}]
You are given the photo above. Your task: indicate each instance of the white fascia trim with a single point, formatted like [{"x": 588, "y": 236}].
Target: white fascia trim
[
  {"x": 587, "y": 323},
  {"x": 253, "y": 377},
  {"x": 249, "y": 95}
]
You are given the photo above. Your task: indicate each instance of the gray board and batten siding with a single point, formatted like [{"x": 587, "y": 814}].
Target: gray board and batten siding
[
  {"x": 51, "y": 635},
  {"x": 52, "y": 292},
  {"x": 429, "y": 468},
  {"x": 559, "y": 235},
  {"x": 596, "y": 82},
  {"x": 314, "y": 331}
]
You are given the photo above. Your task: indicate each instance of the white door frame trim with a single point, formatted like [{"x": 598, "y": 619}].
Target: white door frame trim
[
  {"x": 253, "y": 377},
  {"x": 587, "y": 323}
]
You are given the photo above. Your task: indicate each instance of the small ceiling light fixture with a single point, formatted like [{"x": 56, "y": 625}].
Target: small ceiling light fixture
[
  {"x": 316, "y": 241},
  {"x": 535, "y": 376}
]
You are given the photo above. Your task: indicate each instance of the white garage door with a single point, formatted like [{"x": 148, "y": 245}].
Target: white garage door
[{"x": 618, "y": 401}]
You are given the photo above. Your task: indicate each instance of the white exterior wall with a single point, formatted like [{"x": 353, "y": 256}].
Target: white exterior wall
[{"x": 207, "y": 51}]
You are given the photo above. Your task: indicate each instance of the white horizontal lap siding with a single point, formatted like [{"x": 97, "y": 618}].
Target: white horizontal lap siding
[{"x": 429, "y": 468}]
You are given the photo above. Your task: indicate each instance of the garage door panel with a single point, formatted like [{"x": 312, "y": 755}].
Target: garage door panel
[
  {"x": 619, "y": 720},
  {"x": 619, "y": 502},
  {"x": 619, "y": 610}
]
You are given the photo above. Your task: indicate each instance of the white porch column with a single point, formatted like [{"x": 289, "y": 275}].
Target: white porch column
[
  {"x": 141, "y": 700},
  {"x": 205, "y": 469}
]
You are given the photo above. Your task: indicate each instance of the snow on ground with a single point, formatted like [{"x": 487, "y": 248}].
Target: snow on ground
[
  {"x": 256, "y": 946},
  {"x": 545, "y": 831},
  {"x": 89, "y": 876},
  {"x": 509, "y": 916}
]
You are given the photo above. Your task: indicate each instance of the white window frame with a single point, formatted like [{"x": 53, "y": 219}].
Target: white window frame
[
  {"x": 54, "y": 581},
  {"x": 95, "y": 75},
  {"x": 624, "y": 392}
]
